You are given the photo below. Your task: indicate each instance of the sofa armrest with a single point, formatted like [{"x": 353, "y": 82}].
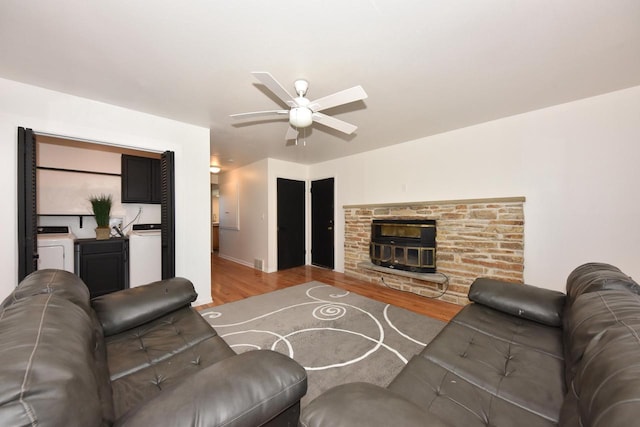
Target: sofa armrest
[
  {"x": 126, "y": 309},
  {"x": 529, "y": 302},
  {"x": 364, "y": 404},
  {"x": 244, "y": 390}
]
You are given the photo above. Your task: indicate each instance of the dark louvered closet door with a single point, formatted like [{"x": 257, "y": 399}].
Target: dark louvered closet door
[
  {"x": 27, "y": 210},
  {"x": 167, "y": 207}
]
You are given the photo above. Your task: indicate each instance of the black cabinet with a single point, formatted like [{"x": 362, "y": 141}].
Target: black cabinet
[
  {"x": 103, "y": 264},
  {"x": 140, "y": 179}
]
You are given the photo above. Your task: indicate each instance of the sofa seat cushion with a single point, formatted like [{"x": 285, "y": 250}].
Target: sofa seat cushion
[
  {"x": 145, "y": 360},
  {"x": 255, "y": 388},
  {"x": 504, "y": 327},
  {"x": 457, "y": 402},
  {"x": 364, "y": 404},
  {"x": 498, "y": 364}
]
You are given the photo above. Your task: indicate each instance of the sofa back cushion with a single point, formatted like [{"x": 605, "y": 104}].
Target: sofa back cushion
[
  {"x": 127, "y": 309},
  {"x": 529, "y": 302},
  {"x": 594, "y": 276},
  {"x": 50, "y": 281},
  {"x": 602, "y": 347},
  {"x": 48, "y": 343},
  {"x": 599, "y": 296}
]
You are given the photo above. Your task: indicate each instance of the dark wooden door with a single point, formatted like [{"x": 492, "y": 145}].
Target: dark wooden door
[
  {"x": 27, "y": 219},
  {"x": 291, "y": 213},
  {"x": 322, "y": 223}
]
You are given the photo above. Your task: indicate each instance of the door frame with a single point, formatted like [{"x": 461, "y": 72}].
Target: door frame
[{"x": 333, "y": 224}]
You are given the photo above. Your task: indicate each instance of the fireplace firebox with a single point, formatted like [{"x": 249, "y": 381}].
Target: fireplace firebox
[{"x": 404, "y": 244}]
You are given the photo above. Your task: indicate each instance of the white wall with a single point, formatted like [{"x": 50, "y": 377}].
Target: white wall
[
  {"x": 257, "y": 237},
  {"x": 249, "y": 242},
  {"x": 55, "y": 113},
  {"x": 577, "y": 164},
  {"x": 68, "y": 193}
]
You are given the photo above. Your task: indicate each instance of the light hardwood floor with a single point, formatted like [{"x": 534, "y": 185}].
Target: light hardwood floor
[{"x": 231, "y": 282}]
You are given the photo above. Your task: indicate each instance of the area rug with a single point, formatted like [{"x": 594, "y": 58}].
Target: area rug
[{"x": 338, "y": 336}]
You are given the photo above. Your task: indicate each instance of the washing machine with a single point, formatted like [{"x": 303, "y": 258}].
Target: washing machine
[
  {"x": 55, "y": 248},
  {"x": 145, "y": 254}
]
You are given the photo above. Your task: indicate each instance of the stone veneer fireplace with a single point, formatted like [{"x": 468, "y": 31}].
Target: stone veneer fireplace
[{"x": 478, "y": 237}]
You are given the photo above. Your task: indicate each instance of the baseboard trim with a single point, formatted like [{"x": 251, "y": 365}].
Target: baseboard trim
[{"x": 236, "y": 260}]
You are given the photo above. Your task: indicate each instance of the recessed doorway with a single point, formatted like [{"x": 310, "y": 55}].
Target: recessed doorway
[{"x": 291, "y": 223}]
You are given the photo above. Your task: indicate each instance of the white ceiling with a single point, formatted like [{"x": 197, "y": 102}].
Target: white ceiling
[{"x": 428, "y": 66}]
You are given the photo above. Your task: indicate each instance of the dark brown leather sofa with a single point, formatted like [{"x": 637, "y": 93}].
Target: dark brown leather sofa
[
  {"x": 518, "y": 356},
  {"x": 138, "y": 357}
]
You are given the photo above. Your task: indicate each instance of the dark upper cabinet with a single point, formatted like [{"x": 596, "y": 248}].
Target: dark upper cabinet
[{"x": 140, "y": 179}]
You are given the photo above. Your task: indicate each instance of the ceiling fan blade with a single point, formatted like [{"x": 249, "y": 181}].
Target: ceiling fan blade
[
  {"x": 259, "y": 113},
  {"x": 292, "y": 133},
  {"x": 346, "y": 96},
  {"x": 274, "y": 86},
  {"x": 334, "y": 123}
]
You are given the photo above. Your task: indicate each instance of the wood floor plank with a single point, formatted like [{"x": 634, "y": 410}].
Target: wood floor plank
[{"x": 231, "y": 281}]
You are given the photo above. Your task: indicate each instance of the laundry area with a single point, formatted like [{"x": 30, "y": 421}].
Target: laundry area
[{"x": 68, "y": 174}]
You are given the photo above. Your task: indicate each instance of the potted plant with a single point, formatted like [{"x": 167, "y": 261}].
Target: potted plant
[{"x": 101, "y": 209}]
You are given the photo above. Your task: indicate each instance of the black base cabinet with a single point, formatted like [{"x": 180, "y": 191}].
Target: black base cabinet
[{"x": 103, "y": 264}]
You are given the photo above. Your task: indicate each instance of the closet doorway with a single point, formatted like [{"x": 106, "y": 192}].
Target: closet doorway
[{"x": 28, "y": 210}]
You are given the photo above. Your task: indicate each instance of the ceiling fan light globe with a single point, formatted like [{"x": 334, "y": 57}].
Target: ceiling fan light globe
[{"x": 300, "y": 117}]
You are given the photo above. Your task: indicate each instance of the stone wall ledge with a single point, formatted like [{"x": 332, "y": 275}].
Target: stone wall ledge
[
  {"x": 427, "y": 277},
  {"x": 517, "y": 199}
]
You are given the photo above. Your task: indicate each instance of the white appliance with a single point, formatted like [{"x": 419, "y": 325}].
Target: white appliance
[
  {"x": 55, "y": 248},
  {"x": 145, "y": 254}
]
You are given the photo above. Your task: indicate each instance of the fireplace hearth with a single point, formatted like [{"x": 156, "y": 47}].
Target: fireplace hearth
[{"x": 404, "y": 244}]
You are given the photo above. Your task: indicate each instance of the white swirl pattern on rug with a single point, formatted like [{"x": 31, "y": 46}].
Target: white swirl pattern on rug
[{"x": 324, "y": 310}]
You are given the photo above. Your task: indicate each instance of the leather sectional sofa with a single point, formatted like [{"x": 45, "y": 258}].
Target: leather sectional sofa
[
  {"x": 517, "y": 356},
  {"x": 138, "y": 357}
]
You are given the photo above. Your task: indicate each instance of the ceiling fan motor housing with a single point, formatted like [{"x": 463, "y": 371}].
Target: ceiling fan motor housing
[{"x": 301, "y": 87}]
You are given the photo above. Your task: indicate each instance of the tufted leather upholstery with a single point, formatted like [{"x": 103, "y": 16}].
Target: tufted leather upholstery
[
  {"x": 518, "y": 356},
  {"x": 137, "y": 357}
]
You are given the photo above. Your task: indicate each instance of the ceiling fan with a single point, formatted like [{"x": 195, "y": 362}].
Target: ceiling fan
[{"x": 303, "y": 112}]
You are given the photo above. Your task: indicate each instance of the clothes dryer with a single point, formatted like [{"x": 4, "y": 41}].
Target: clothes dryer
[
  {"x": 55, "y": 248},
  {"x": 145, "y": 254}
]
